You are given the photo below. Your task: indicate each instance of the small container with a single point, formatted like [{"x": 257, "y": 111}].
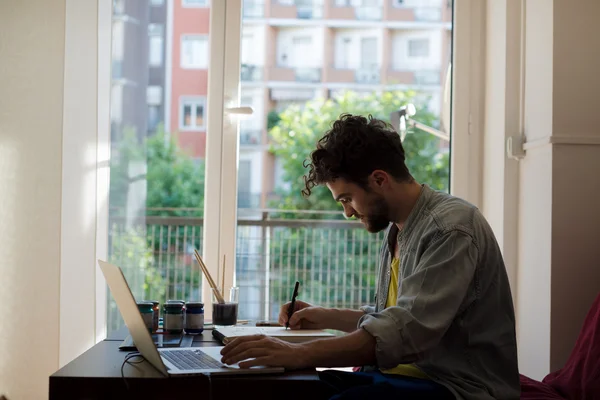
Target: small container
[
  {"x": 156, "y": 315},
  {"x": 147, "y": 311},
  {"x": 194, "y": 317},
  {"x": 226, "y": 314},
  {"x": 173, "y": 317}
]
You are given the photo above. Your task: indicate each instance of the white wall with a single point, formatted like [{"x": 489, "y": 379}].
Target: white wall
[
  {"x": 556, "y": 214},
  {"x": 354, "y": 56},
  {"x": 400, "y": 57},
  {"x": 313, "y": 58},
  {"x": 32, "y": 43}
]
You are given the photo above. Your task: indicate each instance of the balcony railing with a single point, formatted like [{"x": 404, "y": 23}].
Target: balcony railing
[
  {"x": 369, "y": 13},
  {"x": 251, "y": 73},
  {"x": 367, "y": 76},
  {"x": 305, "y": 9},
  {"x": 334, "y": 259},
  {"x": 309, "y": 75}
]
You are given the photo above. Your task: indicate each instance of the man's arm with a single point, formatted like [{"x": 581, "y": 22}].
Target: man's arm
[{"x": 357, "y": 348}]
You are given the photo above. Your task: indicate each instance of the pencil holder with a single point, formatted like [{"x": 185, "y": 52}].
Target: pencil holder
[{"x": 226, "y": 314}]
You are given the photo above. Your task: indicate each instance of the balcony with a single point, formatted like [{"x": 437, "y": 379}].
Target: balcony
[
  {"x": 371, "y": 76},
  {"x": 337, "y": 257},
  {"x": 297, "y": 9},
  {"x": 253, "y": 9},
  {"x": 250, "y": 137},
  {"x": 368, "y": 13},
  {"x": 299, "y": 74},
  {"x": 414, "y": 77},
  {"x": 427, "y": 13},
  {"x": 251, "y": 73}
]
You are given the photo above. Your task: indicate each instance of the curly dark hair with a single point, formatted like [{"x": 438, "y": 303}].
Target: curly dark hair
[{"x": 352, "y": 149}]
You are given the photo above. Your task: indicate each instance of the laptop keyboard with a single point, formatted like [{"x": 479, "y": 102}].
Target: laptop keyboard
[{"x": 190, "y": 359}]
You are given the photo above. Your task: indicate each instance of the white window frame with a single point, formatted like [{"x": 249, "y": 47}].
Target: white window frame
[
  {"x": 222, "y": 144},
  {"x": 192, "y": 101},
  {"x": 187, "y": 4},
  {"x": 418, "y": 39},
  {"x": 206, "y": 62}
]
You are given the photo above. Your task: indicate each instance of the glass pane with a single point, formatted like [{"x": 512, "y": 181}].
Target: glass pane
[
  {"x": 310, "y": 71},
  {"x": 157, "y": 168}
]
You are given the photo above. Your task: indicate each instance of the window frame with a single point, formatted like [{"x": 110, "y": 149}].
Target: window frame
[
  {"x": 222, "y": 131},
  {"x": 418, "y": 39},
  {"x": 185, "y": 4},
  {"x": 194, "y": 101},
  {"x": 206, "y": 62}
]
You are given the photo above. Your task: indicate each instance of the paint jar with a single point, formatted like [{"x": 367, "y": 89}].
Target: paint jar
[
  {"x": 173, "y": 317},
  {"x": 147, "y": 311},
  {"x": 225, "y": 314},
  {"x": 194, "y": 317}
]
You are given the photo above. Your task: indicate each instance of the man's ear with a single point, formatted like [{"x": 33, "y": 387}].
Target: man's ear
[{"x": 380, "y": 178}]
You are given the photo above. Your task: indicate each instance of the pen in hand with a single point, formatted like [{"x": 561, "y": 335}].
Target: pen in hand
[{"x": 292, "y": 305}]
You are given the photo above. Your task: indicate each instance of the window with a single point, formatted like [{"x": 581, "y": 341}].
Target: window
[
  {"x": 157, "y": 2},
  {"x": 153, "y": 118},
  {"x": 154, "y": 95},
  {"x": 194, "y": 51},
  {"x": 155, "y": 52},
  {"x": 418, "y": 48},
  {"x": 194, "y": 3},
  {"x": 192, "y": 111}
]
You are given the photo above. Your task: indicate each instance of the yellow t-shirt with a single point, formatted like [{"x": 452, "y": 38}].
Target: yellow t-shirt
[{"x": 401, "y": 369}]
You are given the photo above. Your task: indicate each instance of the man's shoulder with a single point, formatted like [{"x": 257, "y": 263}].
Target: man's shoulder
[{"x": 450, "y": 213}]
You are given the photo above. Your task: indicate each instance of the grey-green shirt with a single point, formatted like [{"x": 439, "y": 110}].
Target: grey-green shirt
[{"x": 454, "y": 317}]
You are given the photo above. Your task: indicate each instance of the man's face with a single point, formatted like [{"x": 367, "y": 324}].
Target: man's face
[{"x": 366, "y": 205}]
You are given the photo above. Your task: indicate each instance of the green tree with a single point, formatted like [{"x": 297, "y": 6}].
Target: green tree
[{"x": 299, "y": 128}]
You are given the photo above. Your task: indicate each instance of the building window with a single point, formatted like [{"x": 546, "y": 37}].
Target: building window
[
  {"x": 155, "y": 52},
  {"x": 194, "y": 3},
  {"x": 194, "y": 51},
  {"x": 418, "y": 48},
  {"x": 157, "y": 2},
  {"x": 153, "y": 118},
  {"x": 192, "y": 111}
]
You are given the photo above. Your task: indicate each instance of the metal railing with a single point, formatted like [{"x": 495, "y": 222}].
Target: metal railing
[
  {"x": 334, "y": 259},
  {"x": 367, "y": 75},
  {"x": 251, "y": 136}
]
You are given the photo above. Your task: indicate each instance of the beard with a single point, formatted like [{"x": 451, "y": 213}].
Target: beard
[{"x": 377, "y": 218}]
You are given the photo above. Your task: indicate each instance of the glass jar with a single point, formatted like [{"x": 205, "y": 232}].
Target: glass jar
[
  {"x": 156, "y": 308},
  {"x": 194, "y": 317},
  {"x": 147, "y": 311},
  {"x": 173, "y": 317}
]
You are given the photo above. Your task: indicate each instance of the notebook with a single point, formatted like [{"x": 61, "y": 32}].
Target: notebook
[{"x": 228, "y": 333}]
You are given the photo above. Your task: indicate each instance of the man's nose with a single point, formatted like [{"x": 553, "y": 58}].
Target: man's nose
[{"x": 348, "y": 211}]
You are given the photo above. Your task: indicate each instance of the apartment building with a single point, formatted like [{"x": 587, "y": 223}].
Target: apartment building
[
  {"x": 138, "y": 67},
  {"x": 292, "y": 51}
]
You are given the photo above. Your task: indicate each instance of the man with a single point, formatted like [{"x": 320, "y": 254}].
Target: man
[{"x": 443, "y": 325}]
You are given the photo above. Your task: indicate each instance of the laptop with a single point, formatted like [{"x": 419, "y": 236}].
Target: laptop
[{"x": 168, "y": 361}]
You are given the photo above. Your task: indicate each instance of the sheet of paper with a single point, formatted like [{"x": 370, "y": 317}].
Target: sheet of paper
[{"x": 278, "y": 331}]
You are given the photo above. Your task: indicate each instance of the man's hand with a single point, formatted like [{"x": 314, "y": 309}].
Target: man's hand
[
  {"x": 305, "y": 316},
  {"x": 264, "y": 351}
]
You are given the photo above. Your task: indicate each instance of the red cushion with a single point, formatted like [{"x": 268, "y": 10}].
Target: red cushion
[
  {"x": 534, "y": 390},
  {"x": 580, "y": 377}
]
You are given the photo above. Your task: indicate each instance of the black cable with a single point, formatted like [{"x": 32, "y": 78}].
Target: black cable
[{"x": 128, "y": 357}]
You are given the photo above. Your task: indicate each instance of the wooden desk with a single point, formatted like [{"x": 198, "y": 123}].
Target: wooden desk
[{"x": 96, "y": 374}]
